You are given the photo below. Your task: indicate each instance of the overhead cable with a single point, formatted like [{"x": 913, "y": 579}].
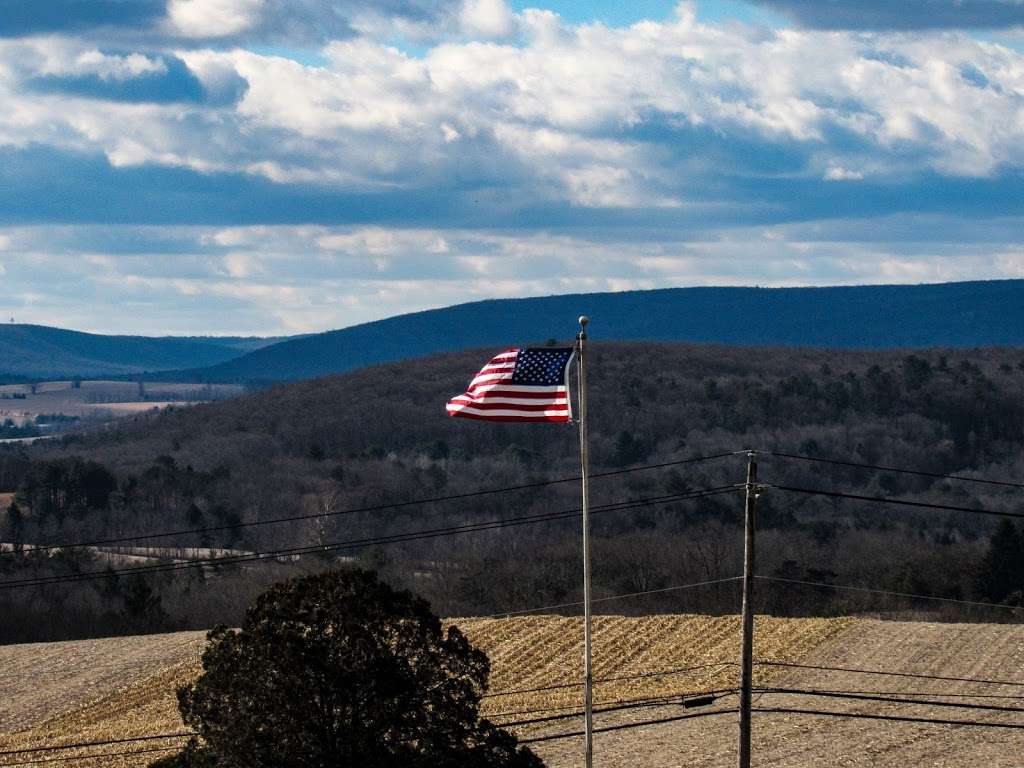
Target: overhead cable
[
  {"x": 897, "y": 470},
  {"x": 359, "y": 543},
  {"x": 627, "y": 726},
  {"x": 890, "y": 500},
  {"x": 91, "y": 756},
  {"x": 105, "y": 742},
  {"x": 892, "y": 699},
  {"x": 541, "y": 609},
  {"x": 373, "y": 508},
  {"x": 892, "y": 718},
  {"x": 889, "y": 592},
  {"x": 887, "y": 673},
  {"x": 618, "y": 678},
  {"x": 670, "y": 699}
]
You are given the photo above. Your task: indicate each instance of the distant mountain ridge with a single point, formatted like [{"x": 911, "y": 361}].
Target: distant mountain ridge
[
  {"x": 964, "y": 314},
  {"x": 38, "y": 351}
]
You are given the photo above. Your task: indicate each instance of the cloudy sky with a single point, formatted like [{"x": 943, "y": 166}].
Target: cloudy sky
[{"x": 283, "y": 166}]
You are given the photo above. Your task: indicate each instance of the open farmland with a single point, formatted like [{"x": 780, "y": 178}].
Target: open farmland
[
  {"x": 118, "y": 688},
  {"x": 102, "y": 399}
]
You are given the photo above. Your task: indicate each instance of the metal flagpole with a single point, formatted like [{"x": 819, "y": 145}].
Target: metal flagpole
[
  {"x": 588, "y": 677},
  {"x": 747, "y": 642}
]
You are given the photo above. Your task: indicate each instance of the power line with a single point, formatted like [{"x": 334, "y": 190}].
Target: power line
[
  {"x": 638, "y": 676},
  {"x": 670, "y": 699},
  {"x": 944, "y": 694},
  {"x": 922, "y": 473},
  {"x": 521, "y": 741},
  {"x": 540, "y": 484},
  {"x": 889, "y": 592},
  {"x": 887, "y": 673},
  {"x": 627, "y": 726},
  {"x": 619, "y": 678},
  {"x": 393, "y": 538},
  {"x": 92, "y": 756},
  {"x": 359, "y": 543},
  {"x": 893, "y": 718},
  {"x": 541, "y": 689},
  {"x": 489, "y": 694},
  {"x": 509, "y": 614},
  {"x": 653, "y": 702},
  {"x": 374, "y": 508},
  {"x": 669, "y": 672},
  {"x": 891, "y": 699},
  {"x": 613, "y": 706},
  {"x": 106, "y": 742},
  {"x": 887, "y": 500}
]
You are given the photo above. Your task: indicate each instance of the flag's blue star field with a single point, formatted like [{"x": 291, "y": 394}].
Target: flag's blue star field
[{"x": 541, "y": 367}]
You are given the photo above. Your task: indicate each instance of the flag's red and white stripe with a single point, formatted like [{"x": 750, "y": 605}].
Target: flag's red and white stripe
[{"x": 492, "y": 397}]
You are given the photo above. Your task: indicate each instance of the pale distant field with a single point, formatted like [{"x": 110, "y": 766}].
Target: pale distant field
[
  {"x": 103, "y": 399},
  {"x": 116, "y": 688}
]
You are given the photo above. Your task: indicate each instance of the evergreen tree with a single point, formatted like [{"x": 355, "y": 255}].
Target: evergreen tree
[
  {"x": 15, "y": 527},
  {"x": 339, "y": 670},
  {"x": 1001, "y": 573}
]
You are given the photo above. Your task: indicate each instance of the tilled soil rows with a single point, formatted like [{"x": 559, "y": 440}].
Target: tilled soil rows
[{"x": 122, "y": 688}]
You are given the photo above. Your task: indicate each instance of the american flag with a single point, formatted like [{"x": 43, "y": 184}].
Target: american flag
[{"x": 519, "y": 385}]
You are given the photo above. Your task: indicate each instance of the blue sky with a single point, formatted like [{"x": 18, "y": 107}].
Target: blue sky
[{"x": 280, "y": 166}]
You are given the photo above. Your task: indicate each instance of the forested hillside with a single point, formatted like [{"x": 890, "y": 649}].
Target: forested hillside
[
  {"x": 38, "y": 351},
  {"x": 968, "y": 314},
  {"x": 379, "y": 436}
]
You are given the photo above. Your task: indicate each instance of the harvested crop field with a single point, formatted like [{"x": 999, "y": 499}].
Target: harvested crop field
[{"x": 122, "y": 688}]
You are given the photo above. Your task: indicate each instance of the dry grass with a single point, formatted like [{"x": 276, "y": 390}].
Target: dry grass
[
  {"x": 121, "y": 688},
  {"x": 92, "y": 690},
  {"x": 541, "y": 651},
  {"x": 102, "y": 399},
  {"x": 992, "y": 651}
]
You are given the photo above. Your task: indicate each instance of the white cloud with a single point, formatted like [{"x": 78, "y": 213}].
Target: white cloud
[
  {"x": 63, "y": 57},
  {"x": 542, "y": 27},
  {"x": 1010, "y": 263},
  {"x": 241, "y": 265},
  {"x": 590, "y": 115},
  {"x": 450, "y": 134},
  {"x": 838, "y": 173},
  {"x": 212, "y": 18},
  {"x": 638, "y": 152},
  {"x": 377, "y": 242},
  {"x": 601, "y": 186},
  {"x": 116, "y": 67},
  {"x": 486, "y": 18},
  {"x": 310, "y": 278},
  {"x": 235, "y": 236}
]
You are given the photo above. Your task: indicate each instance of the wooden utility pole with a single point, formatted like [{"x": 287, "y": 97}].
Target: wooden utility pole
[{"x": 747, "y": 642}]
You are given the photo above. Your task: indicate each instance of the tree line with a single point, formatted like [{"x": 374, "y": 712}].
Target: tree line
[{"x": 379, "y": 435}]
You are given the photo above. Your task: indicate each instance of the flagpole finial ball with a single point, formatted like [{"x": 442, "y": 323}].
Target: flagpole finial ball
[{"x": 584, "y": 320}]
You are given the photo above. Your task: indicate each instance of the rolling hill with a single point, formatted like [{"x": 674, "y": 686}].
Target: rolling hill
[
  {"x": 380, "y": 435},
  {"x": 967, "y": 314},
  {"x": 123, "y": 688},
  {"x": 37, "y": 351}
]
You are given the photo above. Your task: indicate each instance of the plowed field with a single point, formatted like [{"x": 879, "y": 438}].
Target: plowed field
[{"x": 123, "y": 688}]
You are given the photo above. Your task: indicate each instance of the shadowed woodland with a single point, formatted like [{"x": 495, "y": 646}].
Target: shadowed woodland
[{"x": 380, "y": 435}]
